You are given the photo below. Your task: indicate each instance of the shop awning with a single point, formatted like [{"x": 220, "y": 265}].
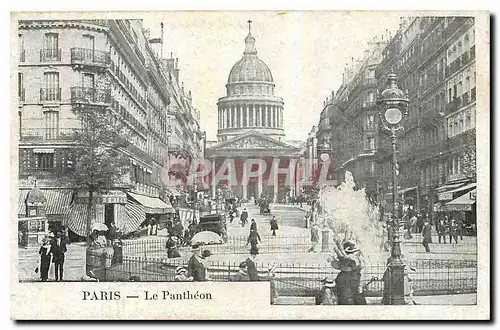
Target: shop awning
[
  {"x": 58, "y": 201},
  {"x": 135, "y": 216},
  {"x": 402, "y": 191},
  {"x": 152, "y": 205},
  {"x": 467, "y": 186},
  {"x": 77, "y": 217},
  {"x": 462, "y": 203},
  {"x": 450, "y": 186}
]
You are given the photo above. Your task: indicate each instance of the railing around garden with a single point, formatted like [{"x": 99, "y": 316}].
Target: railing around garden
[
  {"x": 430, "y": 277},
  {"x": 155, "y": 248}
]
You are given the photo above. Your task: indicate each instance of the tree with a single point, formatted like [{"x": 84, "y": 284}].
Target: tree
[{"x": 100, "y": 160}]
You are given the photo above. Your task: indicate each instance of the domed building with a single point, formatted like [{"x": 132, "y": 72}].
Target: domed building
[
  {"x": 250, "y": 126},
  {"x": 250, "y": 103}
]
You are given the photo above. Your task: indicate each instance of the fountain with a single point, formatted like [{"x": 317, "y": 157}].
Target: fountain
[{"x": 349, "y": 215}]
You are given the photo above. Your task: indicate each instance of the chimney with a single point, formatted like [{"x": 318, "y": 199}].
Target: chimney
[{"x": 333, "y": 95}]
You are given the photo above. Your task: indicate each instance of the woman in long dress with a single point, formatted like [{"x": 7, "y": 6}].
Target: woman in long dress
[{"x": 45, "y": 259}]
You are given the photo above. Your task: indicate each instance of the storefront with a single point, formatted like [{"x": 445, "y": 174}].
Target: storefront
[{"x": 459, "y": 203}]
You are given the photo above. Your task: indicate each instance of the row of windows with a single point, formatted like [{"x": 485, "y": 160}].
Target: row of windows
[{"x": 460, "y": 123}]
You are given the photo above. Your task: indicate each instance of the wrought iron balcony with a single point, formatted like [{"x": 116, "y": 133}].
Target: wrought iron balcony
[
  {"x": 90, "y": 57},
  {"x": 87, "y": 95},
  {"x": 37, "y": 134},
  {"x": 50, "y": 55},
  {"x": 48, "y": 95}
]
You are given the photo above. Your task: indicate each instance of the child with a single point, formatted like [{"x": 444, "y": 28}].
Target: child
[{"x": 181, "y": 275}]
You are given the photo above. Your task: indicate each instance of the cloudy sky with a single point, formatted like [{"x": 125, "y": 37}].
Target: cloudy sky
[{"x": 306, "y": 52}]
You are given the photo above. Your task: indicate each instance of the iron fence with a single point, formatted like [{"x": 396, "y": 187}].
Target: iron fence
[
  {"x": 155, "y": 248},
  {"x": 430, "y": 277}
]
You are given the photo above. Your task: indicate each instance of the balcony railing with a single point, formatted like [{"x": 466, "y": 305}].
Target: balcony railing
[
  {"x": 48, "y": 133},
  {"x": 90, "y": 95},
  {"x": 89, "y": 56},
  {"x": 50, "y": 55},
  {"x": 50, "y": 95}
]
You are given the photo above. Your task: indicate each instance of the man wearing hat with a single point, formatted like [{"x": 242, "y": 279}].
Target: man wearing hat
[
  {"x": 327, "y": 295},
  {"x": 196, "y": 267},
  {"x": 171, "y": 245},
  {"x": 181, "y": 275},
  {"x": 242, "y": 275}
]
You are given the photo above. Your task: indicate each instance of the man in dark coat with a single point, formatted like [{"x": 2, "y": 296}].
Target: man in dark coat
[
  {"x": 426, "y": 234},
  {"x": 242, "y": 275},
  {"x": 244, "y": 217},
  {"x": 253, "y": 225},
  {"x": 253, "y": 274},
  {"x": 274, "y": 225},
  {"x": 442, "y": 229},
  {"x": 196, "y": 269},
  {"x": 58, "y": 248}
]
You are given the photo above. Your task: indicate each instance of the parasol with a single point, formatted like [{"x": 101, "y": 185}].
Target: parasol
[
  {"x": 99, "y": 227},
  {"x": 206, "y": 238}
]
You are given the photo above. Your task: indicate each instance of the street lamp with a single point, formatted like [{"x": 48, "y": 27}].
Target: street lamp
[
  {"x": 324, "y": 151},
  {"x": 393, "y": 106}
]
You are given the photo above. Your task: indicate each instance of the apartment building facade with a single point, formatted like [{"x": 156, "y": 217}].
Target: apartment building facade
[
  {"x": 67, "y": 66},
  {"x": 433, "y": 58}
]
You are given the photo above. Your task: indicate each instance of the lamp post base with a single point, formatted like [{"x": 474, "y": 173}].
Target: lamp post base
[{"x": 396, "y": 281}]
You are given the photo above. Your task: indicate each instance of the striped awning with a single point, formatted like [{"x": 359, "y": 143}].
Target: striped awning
[
  {"x": 135, "y": 216},
  {"x": 22, "y": 202},
  {"x": 77, "y": 217},
  {"x": 152, "y": 205},
  {"x": 58, "y": 201}
]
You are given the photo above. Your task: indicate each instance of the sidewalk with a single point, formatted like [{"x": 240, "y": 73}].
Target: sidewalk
[{"x": 74, "y": 265}]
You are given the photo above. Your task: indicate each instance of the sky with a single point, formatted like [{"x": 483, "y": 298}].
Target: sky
[{"x": 306, "y": 52}]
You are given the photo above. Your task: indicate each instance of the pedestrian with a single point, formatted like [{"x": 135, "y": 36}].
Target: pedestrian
[
  {"x": 253, "y": 274},
  {"x": 314, "y": 237},
  {"x": 45, "y": 258},
  {"x": 461, "y": 228},
  {"x": 426, "y": 234},
  {"x": 181, "y": 275},
  {"x": 274, "y": 225},
  {"x": 453, "y": 231},
  {"x": 413, "y": 224},
  {"x": 327, "y": 295},
  {"x": 244, "y": 217},
  {"x": 442, "y": 229},
  {"x": 172, "y": 249},
  {"x": 58, "y": 249},
  {"x": 253, "y": 240},
  {"x": 65, "y": 234},
  {"x": 154, "y": 226},
  {"x": 420, "y": 222},
  {"x": 253, "y": 225},
  {"x": 196, "y": 266},
  {"x": 242, "y": 274}
]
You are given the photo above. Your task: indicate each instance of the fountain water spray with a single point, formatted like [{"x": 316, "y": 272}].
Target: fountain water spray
[{"x": 350, "y": 216}]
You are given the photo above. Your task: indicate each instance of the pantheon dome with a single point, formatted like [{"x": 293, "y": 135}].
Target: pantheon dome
[{"x": 250, "y": 103}]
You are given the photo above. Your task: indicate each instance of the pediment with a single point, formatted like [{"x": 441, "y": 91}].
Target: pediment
[{"x": 253, "y": 141}]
